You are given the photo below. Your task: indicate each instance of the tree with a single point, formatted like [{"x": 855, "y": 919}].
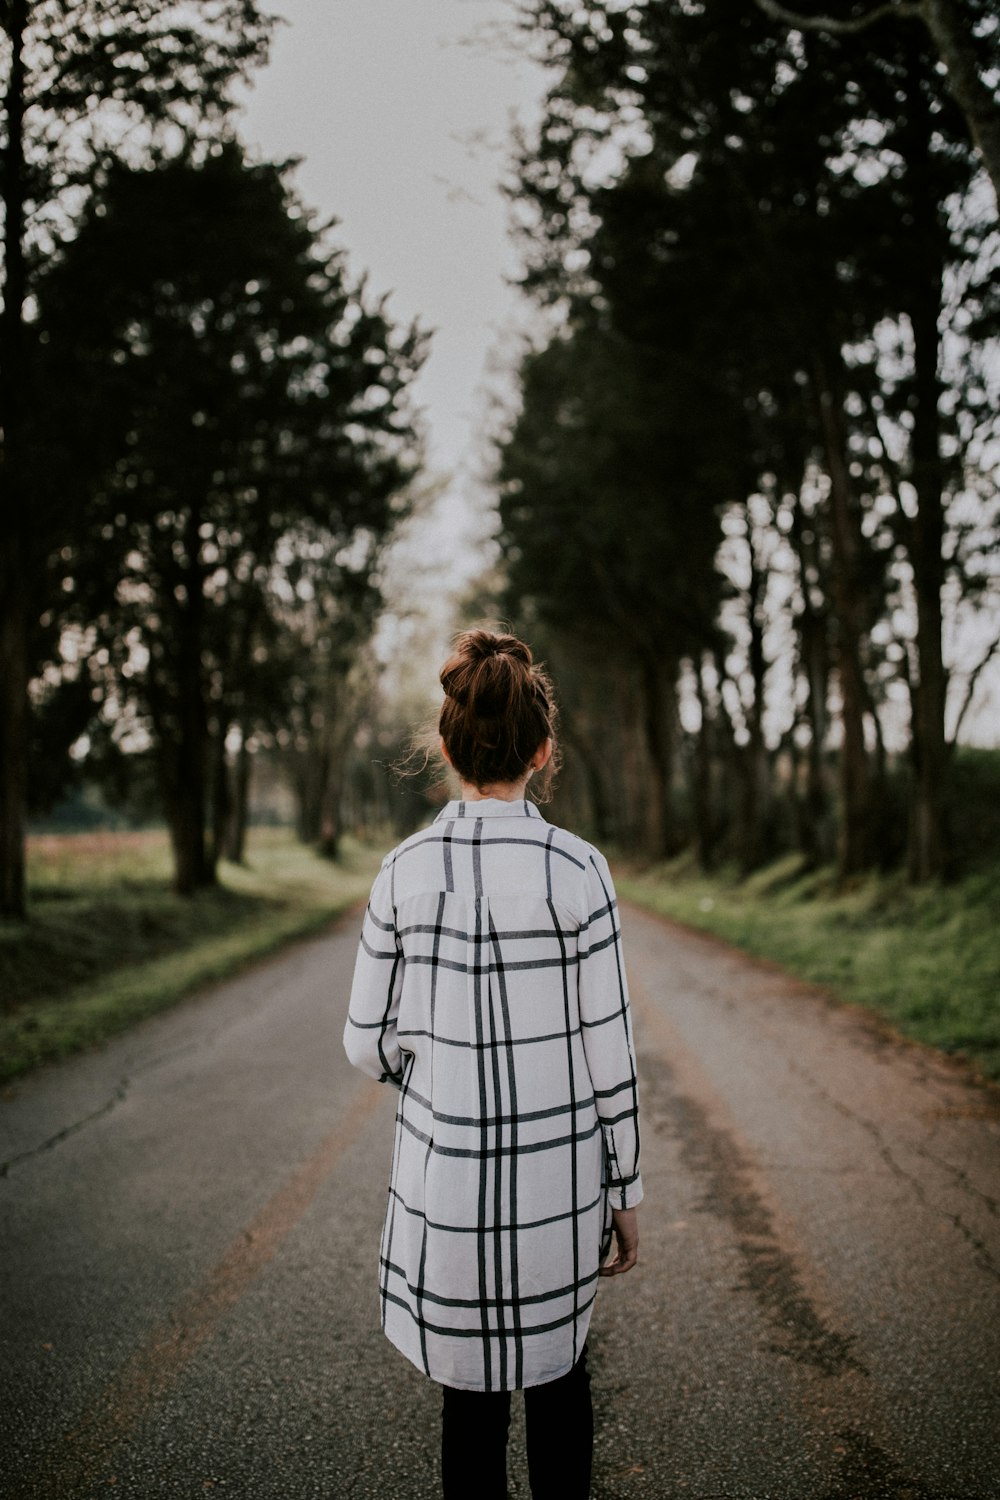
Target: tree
[
  {"x": 729, "y": 273},
  {"x": 903, "y": 91},
  {"x": 607, "y": 522},
  {"x": 785, "y": 181},
  {"x": 254, "y": 430},
  {"x": 328, "y": 683},
  {"x": 966, "y": 35},
  {"x": 79, "y": 84}
]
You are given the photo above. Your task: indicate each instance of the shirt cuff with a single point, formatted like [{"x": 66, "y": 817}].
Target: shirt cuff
[{"x": 627, "y": 1194}]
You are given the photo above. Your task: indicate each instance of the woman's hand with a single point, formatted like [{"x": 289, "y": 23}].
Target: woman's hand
[{"x": 626, "y": 1252}]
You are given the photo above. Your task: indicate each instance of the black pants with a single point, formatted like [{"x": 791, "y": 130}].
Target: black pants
[{"x": 560, "y": 1435}]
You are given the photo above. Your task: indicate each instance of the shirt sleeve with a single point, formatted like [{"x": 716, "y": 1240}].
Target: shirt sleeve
[
  {"x": 370, "y": 1039},
  {"x": 607, "y": 1035}
]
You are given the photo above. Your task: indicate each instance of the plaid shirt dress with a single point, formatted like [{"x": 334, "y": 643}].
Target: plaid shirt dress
[{"x": 490, "y": 989}]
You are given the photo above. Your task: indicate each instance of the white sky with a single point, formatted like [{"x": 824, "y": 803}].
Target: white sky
[{"x": 401, "y": 111}]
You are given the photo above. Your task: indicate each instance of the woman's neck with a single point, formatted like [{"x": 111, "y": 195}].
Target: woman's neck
[{"x": 502, "y": 791}]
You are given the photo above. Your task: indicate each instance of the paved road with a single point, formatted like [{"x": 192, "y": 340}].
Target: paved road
[{"x": 190, "y": 1221}]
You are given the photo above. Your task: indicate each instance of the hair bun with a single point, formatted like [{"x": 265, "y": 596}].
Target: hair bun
[
  {"x": 475, "y": 674},
  {"x": 498, "y": 706},
  {"x": 480, "y": 645}
]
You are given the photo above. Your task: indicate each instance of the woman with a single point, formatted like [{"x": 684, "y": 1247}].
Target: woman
[{"x": 490, "y": 990}]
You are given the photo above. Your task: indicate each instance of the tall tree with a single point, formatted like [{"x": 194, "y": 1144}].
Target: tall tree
[
  {"x": 252, "y": 407},
  {"x": 79, "y": 83},
  {"x": 607, "y": 522},
  {"x": 921, "y": 133}
]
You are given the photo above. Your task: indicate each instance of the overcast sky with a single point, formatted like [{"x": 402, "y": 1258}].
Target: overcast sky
[{"x": 401, "y": 111}]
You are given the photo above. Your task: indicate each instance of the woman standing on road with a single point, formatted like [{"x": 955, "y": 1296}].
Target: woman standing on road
[{"x": 490, "y": 990}]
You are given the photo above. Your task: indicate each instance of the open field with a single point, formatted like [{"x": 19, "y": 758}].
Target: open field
[
  {"x": 108, "y": 943},
  {"x": 926, "y": 959}
]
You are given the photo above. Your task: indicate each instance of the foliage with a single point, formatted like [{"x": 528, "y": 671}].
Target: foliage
[
  {"x": 610, "y": 488},
  {"x": 781, "y": 231},
  {"x": 82, "y": 86},
  {"x": 96, "y": 84},
  {"x": 233, "y": 437},
  {"x": 966, "y": 35}
]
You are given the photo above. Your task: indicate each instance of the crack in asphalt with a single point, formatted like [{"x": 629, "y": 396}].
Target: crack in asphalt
[
  {"x": 715, "y": 1158},
  {"x": 120, "y": 1094},
  {"x": 208, "y": 1039},
  {"x": 983, "y": 1257},
  {"x": 992, "y": 1205},
  {"x": 726, "y": 1001}
]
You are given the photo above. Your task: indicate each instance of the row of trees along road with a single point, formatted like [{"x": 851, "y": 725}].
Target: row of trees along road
[
  {"x": 206, "y": 425},
  {"x": 750, "y": 490}
]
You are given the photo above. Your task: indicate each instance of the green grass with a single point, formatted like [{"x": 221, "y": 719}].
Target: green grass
[
  {"x": 927, "y": 959},
  {"x": 107, "y": 942}
]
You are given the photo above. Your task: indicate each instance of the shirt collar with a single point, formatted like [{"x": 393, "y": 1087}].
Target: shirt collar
[{"x": 489, "y": 807}]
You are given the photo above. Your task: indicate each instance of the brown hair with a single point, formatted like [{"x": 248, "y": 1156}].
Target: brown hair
[{"x": 498, "y": 708}]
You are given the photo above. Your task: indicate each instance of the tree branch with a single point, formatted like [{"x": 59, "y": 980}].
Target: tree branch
[
  {"x": 957, "y": 48},
  {"x": 970, "y": 688},
  {"x": 951, "y": 35},
  {"x": 905, "y": 10}
]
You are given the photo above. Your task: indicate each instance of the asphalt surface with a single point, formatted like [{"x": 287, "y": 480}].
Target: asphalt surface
[{"x": 189, "y": 1224}]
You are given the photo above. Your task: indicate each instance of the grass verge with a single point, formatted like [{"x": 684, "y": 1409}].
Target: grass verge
[
  {"x": 108, "y": 943},
  {"x": 926, "y": 958}
]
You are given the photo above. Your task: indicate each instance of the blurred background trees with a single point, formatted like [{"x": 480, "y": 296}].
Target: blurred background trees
[
  {"x": 783, "y": 242},
  {"x": 206, "y": 422},
  {"x": 251, "y": 454},
  {"x": 747, "y": 490},
  {"x": 81, "y": 85}
]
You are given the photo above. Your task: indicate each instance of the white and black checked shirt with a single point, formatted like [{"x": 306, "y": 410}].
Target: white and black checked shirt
[{"x": 490, "y": 989}]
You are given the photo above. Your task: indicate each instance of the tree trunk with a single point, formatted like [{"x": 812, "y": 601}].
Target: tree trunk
[
  {"x": 599, "y": 815},
  {"x": 329, "y": 822},
  {"x": 222, "y": 792},
  {"x": 185, "y": 812},
  {"x": 182, "y": 748},
  {"x": 926, "y": 532},
  {"x": 194, "y": 850},
  {"x": 14, "y": 591},
  {"x": 757, "y": 778},
  {"x": 13, "y": 724},
  {"x": 701, "y": 778},
  {"x": 655, "y": 682},
  {"x": 309, "y": 769},
  {"x": 814, "y": 823},
  {"x": 819, "y": 842},
  {"x": 236, "y": 829},
  {"x": 854, "y": 852},
  {"x": 624, "y": 755}
]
